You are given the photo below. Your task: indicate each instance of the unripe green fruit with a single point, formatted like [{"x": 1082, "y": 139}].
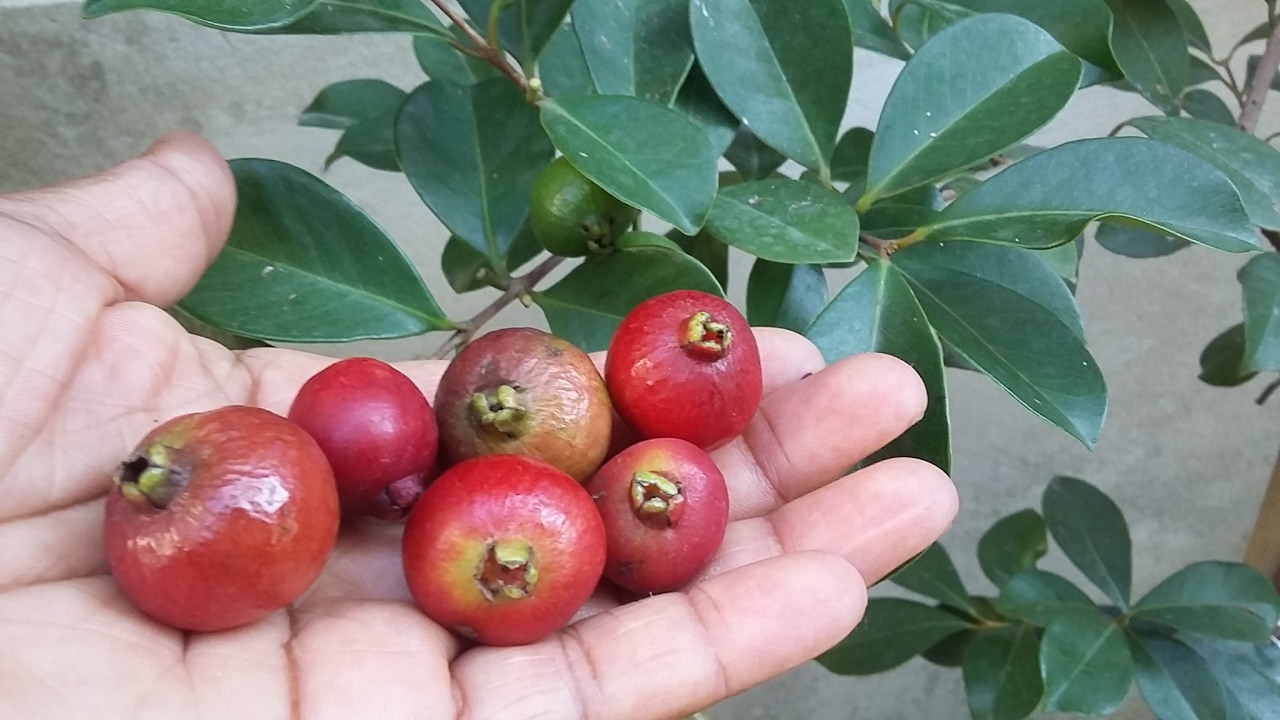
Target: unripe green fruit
[{"x": 572, "y": 216}]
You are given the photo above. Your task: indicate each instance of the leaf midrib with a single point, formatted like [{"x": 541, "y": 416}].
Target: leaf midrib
[
  {"x": 410, "y": 19},
  {"x": 1088, "y": 656},
  {"x": 793, "y": 230},
  {"x": 1097, "y": 556}
]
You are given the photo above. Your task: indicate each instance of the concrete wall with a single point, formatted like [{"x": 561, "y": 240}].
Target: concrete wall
[{"x": 1186, "y": 462}]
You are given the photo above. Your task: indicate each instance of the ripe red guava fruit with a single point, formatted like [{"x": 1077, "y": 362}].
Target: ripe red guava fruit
[
  {"x": 219, "y": 518},
  {"x": 665, "y": 508},
  {"x": 376, "y": 428},
  {"x": 503, "y": 549},
  {"x": 521, "y": 391},
  {"x": 685, "y": 365}
]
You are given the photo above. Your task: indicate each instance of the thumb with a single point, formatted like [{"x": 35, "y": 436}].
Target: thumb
[{"x": 153, "y": 223}]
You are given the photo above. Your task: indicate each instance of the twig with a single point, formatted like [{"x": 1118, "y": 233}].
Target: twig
[
  {"x": 1261, "y": 83},
  {"x": 884, "y": 247},
  {"x": 1232, "y": 84},
  {"x": 1267, "y": 391},
  {"x": 483, "y": 50},
  {"x": 519, "y": 289}
]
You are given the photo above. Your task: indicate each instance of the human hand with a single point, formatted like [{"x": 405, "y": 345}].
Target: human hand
[{"x": 89, "y": 363}]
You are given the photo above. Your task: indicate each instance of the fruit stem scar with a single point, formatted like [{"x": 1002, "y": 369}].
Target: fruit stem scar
[
  {"x": 500, "y": 410},
  {"x": 656, "y": 500},
  {"x": 507, "y": 570},
  {"x": 149, "y": 477},
  {"x": 705, "y": 338}
]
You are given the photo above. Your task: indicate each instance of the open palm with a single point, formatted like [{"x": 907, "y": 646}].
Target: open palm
[{"x": 89, "y": 363}]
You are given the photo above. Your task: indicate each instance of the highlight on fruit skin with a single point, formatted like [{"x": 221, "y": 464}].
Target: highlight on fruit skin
[{"x": 571, "y": 216}]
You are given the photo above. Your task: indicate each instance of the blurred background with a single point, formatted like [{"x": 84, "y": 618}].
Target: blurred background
[{"x": 1187, "y": 463}]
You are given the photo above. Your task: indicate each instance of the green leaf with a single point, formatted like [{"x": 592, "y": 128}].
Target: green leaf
[
  {"x": 1092, "y": 531},
  {"x": 562, "y": 67},
  {"x": 784, "y": 68},
  {"x": 706, "y": 249},
  {"x": 918, "y": 21},
  {"x": 850, "y": 159},
  {"x": 942, "y": 116},
  {"x": 751, "y": 158},
  {"x": 1050, "y": 197},
  {"x": 932, "y": 574},
  {"x": 1222, "y": 360},
  {"x": 872, "y": 32},
  {"x": 786, "y": 220},
  {"x": 1002, "y": 674},
  {"x": 949, "y": 651},
  {"x": 1082, "y": 26},
  {"x": 1137, "y": 242},
  {"x": 344, "y": 104},
  {"x": 1013, "y": 544},
  {"x": 1065, "y": 260},
  {"x": 1151, "y": 49},
  {"x": 337, "y": 17},
  {"x": 1086, "y": 665},
  {"x": 463, "y": 266},
  {"x": 877, "y": 312},
  {"x": 892, "y": 632},
  {"x": 587, "y": 306},
  {"x": 612, "y": 140},
  {"x": 305, "y": 264},
  {"x": 1176, "y": 682},
  {"x": 230, "y": 341},
  {"x": 640, "y": 48},
  {"x": 1202, "y": 72},
  {"x": 1249, "y": 675},
  {"x": 785, "y": 296},
  {"x": 525, "y": 26},
  {"x": 222, "y": 14},
  {"x": 1007, "y": 313},
  {"x": 1227, "y": 600},
  {"x": 1191, "y": 25},
  {"x": 1250, "y": 164},
  {"x": 440, "y": 60},
  {"x": 1206, "y": 105},
  {"x": 369, "y": 142},
  {"x": 699, "y": 101},
  {"x": 1042, "y": 597},
  {"x": 474, "y": 172},
  {"x": 1260, "y": 281}
]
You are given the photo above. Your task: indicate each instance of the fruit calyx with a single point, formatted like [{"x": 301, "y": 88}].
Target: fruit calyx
[
  {"x": 507, "y": 570},
  {"x": 656, "y": 500},
  {"x": 705, "y": 338},
  {"x": 501, "y": 411},
  {"x": 149, "y": 478}
]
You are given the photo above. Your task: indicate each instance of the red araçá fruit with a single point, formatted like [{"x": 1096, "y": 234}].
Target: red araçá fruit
[
  {"x": 219, "y": 518},
  {"x": 503, "y": 549},
  {"x": 665, "y": 508},
  {"x": 377, "y": 430},
  {"x": 685, "y": 365},
  {"x": 521, "y": 391}
]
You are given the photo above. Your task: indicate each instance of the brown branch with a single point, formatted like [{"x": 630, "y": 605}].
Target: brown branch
[
  {"x": 1261, "y": 83},
  {"x": 884, "y": 247},
  {"x": 519, "y": 288},
  {"x": 483, "y": 50}
]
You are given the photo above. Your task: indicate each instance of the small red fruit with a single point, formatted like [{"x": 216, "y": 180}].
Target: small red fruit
[
  {"x": 521, "y": 391},
  {"x": 377, "y": 430},
  {"x": 665, "y": 508},
  {"x": 503, "y": 549},
  {"x": 219, "y": 518},
  {"x": 685, "y": 365}
]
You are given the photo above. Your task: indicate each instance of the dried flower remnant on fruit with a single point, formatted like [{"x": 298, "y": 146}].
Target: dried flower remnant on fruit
[
  {"x": 500, "y": 410},
  {"x": 149, "y": 477},
  {"x": 507, "y": 571},
  {"x": 656, "y": 500},
  {"x": 705, "y": 338}
]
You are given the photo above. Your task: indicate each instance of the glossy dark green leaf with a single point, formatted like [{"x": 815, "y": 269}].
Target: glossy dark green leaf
[
  {"x": 468, "y": 270},
  {"x": 1091, "y": 530},
  {"x": 1206, "y": 105},
  {"x": 339, "y": 17},
  {"x": 1008, "y": 313},
  {"x": 223, "y": 14},
  {"x": 1260, "y": 32},
  {"x": 1260, "y": 281},
  {"x": 942, "y": 116},
  {"x": 1013, "y": 544},
  {"x": 305, "y": 264},
  {"x": 1151, "y": 49},
  {"x": 1002, "y": 674},
  {"x": 785, "y": 296},
  {"x": 1191, "y": 25},
  {"x": 1250, "y": 164},
  {"x": 1041, "y": 597},
  {"x": 706, "y": 249},
  {"x": 230, "y": 341},
  {"x": 751, "y": 158},
  {"x": 1082, "y": 26},
  {"x": 933, "y": 575},
  {"x": 850, "y": 159},
  {"x": 1137, "y": 242},
  {"x": 474, "y": 171},
  {"x": 1227, "y": 600},
  {"x": 1202, "y": 72},
  {"x": 1176, "y": 682},
  {"x": 562, "y": 67},
  {"x": 892, "y": 632},
  {"x": 784, "y": 68},
  {"x": 699, "y": 101},
  {"x": 786, "y": 220},
  {"x": 1065, "y": 260},
  {"x": 918, "y": 21},
  {"x": 440, "y": 60},
  {"x": 1222, "y": 360},
  {"x": 525, "y": 26},
  {"x": 346, "y": 103},
  {"x": 872, "y": 32},
  {"x": 587, "y": 306},
  {"x": 640, "y": 48},
  {"x": 612, "y": 140},
  {"x": 1050, "y": 197},
  {"x": 877, "y": 312},
  {"x": 949, "y": 651},
  {"x": 369, "y": 142},
  {"x": 1248, "y": 674},
  {"x": 1086, "y": 665}
]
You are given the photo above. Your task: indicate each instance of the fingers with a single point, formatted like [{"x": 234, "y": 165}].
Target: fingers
[
  {"x": 154, "y": 223},
  {"x": 672, "y": 655},
  {"x": 810, "y": 432}
]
